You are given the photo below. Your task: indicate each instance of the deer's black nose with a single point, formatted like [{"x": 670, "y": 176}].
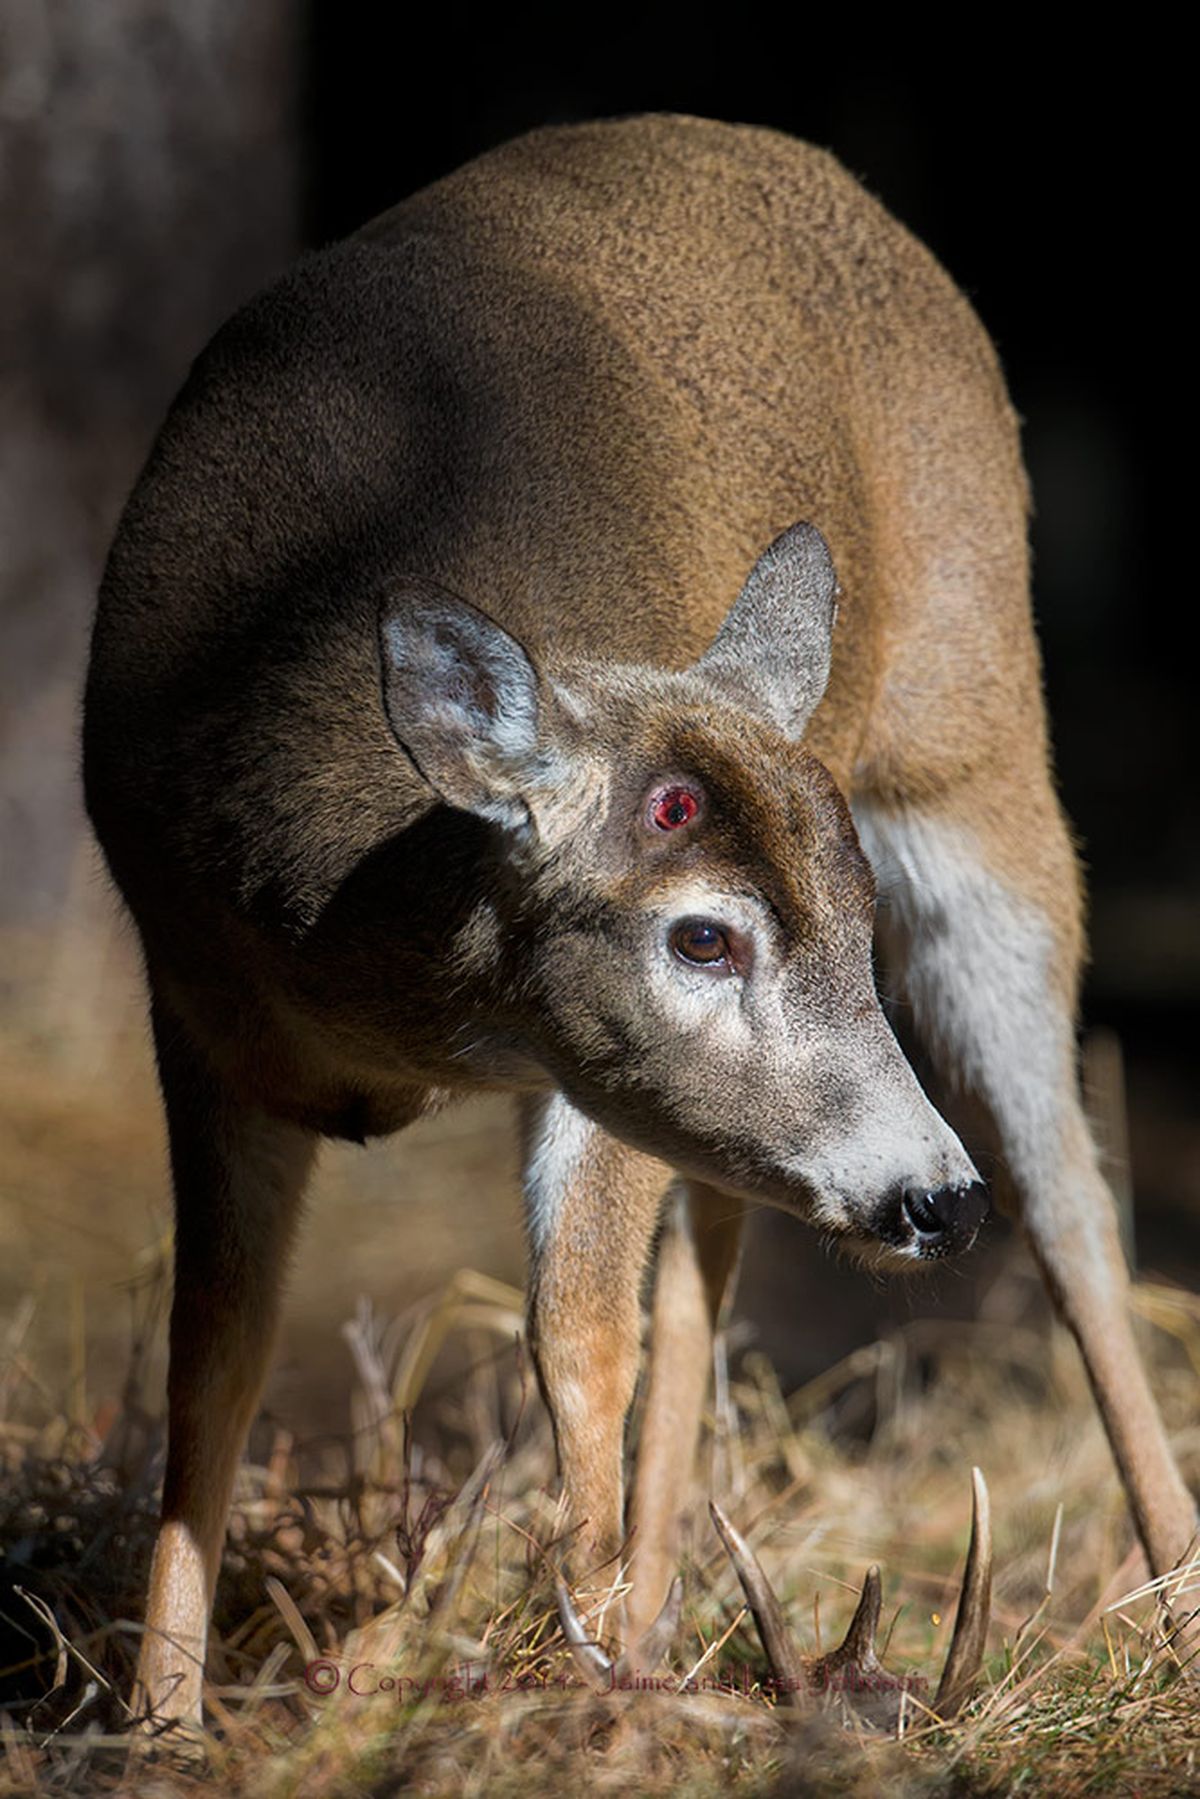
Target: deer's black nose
[{"x": 947, "y": 1219}]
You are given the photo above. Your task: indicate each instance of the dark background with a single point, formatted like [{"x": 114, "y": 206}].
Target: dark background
[{"x": 161, "y": 159}]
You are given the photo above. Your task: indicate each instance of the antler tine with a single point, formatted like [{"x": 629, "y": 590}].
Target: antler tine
[
  {"x": 596, "y": 1667},
  {"x": 778, "y": 1641},
  {"x": 857, "y": 1647},
  {"x": 974, "y": 1608},
  {"x": 642, "y": 1657}
]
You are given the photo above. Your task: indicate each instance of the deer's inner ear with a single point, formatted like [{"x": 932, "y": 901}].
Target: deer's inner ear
[{"x": 461, "y": 696}]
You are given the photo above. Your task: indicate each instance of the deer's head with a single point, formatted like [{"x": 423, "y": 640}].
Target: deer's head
[{"x": 682, "y": 914}]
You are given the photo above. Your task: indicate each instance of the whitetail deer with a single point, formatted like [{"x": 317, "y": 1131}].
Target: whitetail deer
[{"x": 468, "y": 709}]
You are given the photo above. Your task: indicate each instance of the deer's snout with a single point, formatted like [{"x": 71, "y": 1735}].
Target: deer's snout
[{"x": 941, "y": 1222}]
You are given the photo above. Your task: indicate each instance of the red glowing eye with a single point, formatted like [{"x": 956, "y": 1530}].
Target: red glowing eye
[{"x": 673, "y": 807}]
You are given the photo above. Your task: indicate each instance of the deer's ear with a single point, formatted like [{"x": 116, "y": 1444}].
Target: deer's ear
[
  {"x": 774, "y": 649},
  {"x": 461, "y": 697}
]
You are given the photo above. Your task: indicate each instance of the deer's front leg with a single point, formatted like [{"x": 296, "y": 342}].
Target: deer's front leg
[{"x": 593, "y": 1205}]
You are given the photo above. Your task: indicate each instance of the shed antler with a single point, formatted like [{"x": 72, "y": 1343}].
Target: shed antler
[{"x": 853, "y": 1670}]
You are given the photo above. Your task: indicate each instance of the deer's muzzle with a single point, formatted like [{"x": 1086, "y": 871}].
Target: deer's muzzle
[{"x": 941, "y": 1222}]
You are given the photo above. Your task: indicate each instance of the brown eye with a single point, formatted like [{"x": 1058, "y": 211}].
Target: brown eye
[{"x": 701, "y": 941}]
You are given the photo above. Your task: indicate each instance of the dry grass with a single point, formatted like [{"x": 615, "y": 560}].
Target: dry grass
[{"x": 426, "y": 1563}]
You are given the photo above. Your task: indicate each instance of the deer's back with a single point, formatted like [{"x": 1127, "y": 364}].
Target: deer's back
[{"x": 582, "y": 382}]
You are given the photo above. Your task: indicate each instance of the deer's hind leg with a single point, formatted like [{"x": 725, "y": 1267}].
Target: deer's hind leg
[
  {"x": 980, "y": 911},
  {"x": 238, "y": 1176}
]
